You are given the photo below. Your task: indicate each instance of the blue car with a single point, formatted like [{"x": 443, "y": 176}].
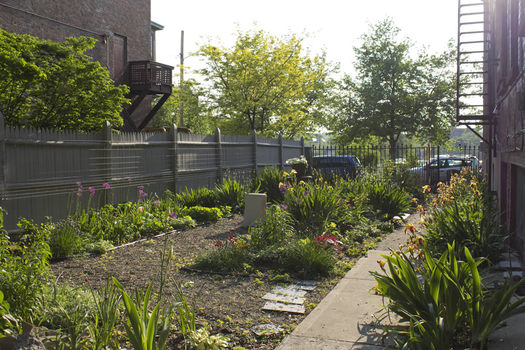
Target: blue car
[{"x": 344, "y": 166}]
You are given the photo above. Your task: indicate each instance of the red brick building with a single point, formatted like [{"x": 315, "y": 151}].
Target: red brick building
[
  {"x": 123, "y": 30},
  {"x": 492, "y": 37}
]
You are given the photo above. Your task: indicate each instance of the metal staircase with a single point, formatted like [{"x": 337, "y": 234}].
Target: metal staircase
[{"x": 472, "y": 64}]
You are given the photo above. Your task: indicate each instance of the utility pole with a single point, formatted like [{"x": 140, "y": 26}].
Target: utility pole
[{"x": 181, "y": 106}]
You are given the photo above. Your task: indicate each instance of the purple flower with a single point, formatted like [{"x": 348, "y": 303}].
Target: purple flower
[
  {"x": 173, "y": 215},
  {"x": 91, "y": 190},
  {"x": 130, "y": 180},
  {"x": 140, "y": 188},
  {"x": 142, "y": 193},
  {"x": 157, "y": 203},
  {"x": 306, "y": 193},
  {"x": 106, "y": 186},
  {"x": 299, "y": 200},
  {"x": 284, "y": 207}
]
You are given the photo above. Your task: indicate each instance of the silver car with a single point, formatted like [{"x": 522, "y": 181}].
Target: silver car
[{"x": 448, "y": 165}]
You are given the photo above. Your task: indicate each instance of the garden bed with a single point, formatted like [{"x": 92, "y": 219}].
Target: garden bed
[{"x": 230, "y": 303}]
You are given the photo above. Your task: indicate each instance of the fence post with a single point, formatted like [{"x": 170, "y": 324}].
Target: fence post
[
  {"x": 281, "y": 152},
  {"x": 302, "y": 145},
  {"x": 218, "y": 154},
  {"x": 254, "y": 152},
  {"x": 107, "y": 137},
  {"x": 174, "y": 155}
]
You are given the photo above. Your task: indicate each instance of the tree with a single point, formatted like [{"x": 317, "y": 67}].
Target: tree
[
  {"x": 196, "y": 112},
  {"x": 267, "y": 84},
  {"x": 56, "y": 85},
  {"x": 396, "y": 94}
]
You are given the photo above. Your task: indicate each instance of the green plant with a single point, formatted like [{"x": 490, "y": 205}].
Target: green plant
[
  {"x": 8, "y": 323},
  {"x": 444, "y": 300},
  {"x": 181, "y": 223},
  {"x": 388, "y": 200},
  {"x": 144, "y": 329},
  {"x": 307, "y": 258},
  {"x": 231, "y": 193},
  {"x": 65, "y": 239},
  {"x": 268, "y": 182},
  {"x": 24, "y": 267},
  {"x": 202, "y": 340},
  {"x": 204, "y": 214},
  {"x": 273, "y": 229},
  {"x": 185, "y": 314},
  {"x": 228, "y": 256},
  {"x": 106, "y": 317},
  {"x": 201, "y": 197},
  {"x": 313, "y": 207}
]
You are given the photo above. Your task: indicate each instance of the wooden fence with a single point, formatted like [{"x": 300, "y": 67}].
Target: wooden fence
[{"x": 40, "y": 169}]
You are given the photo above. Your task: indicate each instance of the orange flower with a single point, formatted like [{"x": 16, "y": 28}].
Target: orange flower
[
  {"x": 426, "y": 188},
  {"x": 381, "y": 263},
  {"x": 410, "y": 228}
]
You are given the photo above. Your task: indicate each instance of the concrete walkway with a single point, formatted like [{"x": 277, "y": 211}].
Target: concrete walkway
[{"x": 348, "y": 317}]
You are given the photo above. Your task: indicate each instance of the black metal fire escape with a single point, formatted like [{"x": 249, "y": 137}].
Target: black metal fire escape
[
  {"x": 146, "y": 78},
  {"x": 472, "y": 64}
]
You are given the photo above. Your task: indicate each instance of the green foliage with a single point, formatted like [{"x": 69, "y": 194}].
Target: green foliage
[
  {"x": 25, "y": 268},
  {"x": 201, "y": 339},
  {"x": 8, "y": 323},
  {"x": 196, "y": 112},
  {"x": 444, "y": 300},
  {"x": 107, "y": 316},
  {"x": 231, "y": 193},
  {"x": 225, "y": 258},
  {"x": 307, "y": 258},
  {"x": 204, "y": 214},
  {"x": 65, "y": 239},
  {"x": 395, "y": 93},
  {"x": 144, "y": 329},
  {"x": 267, "y": 84},
  {"x": 268, "y": 182},
  {"x": 387, "y": 200},
  {"x": 313, "y": 207},
  {"x": 201, "y": 197},
  {"x": 70, "y": 310},
  {"x": 274, "y": 229},
  {"x": 56, "y": 85}
]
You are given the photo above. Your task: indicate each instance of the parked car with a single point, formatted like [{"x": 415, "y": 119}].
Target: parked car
[
  {"x": 345, "y": 166},
  {"x": 448, "y": 165}
]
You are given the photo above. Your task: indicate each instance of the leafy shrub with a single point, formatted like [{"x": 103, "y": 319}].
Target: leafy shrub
[
  {"x": 204, "y": 214},
  {"x": 231, "y": 193},
  {"x": 268, "y": 182},
  {"x": 388, "y": 200},
  {"x": 230, "y": 255},
  {"x": 202, "y": 197},
  {"x": 399, "y": 175},
  {"x": 444, "y": 300},
  {"x": 182, "y": 222},
  {"x": 275, "y": 228},
  {"x": 313, "y": 207},
  {"x": 8, "y": 323},
  {"x": 107, "y": 316},
  {"x": 24, "y": 267},
  {"x": 307, "y": 258},
  {"x": 65, "y": 239}
]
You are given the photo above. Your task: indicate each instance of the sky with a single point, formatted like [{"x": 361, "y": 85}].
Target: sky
[{"x": 332, "y": 25}]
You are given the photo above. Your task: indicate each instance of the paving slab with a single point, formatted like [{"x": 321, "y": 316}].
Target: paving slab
[
  {"x": 290, "y": 290},
  {"x": 309, "y": 343},
  {"x": 283, "y": 298},
  {"x": 509, "y": 337},
  {"x": 361, "y": 270},
  {"x": 276, "y": 306}
]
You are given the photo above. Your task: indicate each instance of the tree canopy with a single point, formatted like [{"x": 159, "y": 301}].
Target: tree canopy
[
  {"x": 267, "y": 84},
  {"x": 394, "y": 93},
  {"x": 56, "y": 85}
]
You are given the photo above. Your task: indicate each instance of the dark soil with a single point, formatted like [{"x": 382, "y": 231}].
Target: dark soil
[{"x": 230, "y": 304}]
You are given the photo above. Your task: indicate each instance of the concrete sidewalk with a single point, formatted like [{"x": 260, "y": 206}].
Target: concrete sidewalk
[{"x": 347, "y": 318}]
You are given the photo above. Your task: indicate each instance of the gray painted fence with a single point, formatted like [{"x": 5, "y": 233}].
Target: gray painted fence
[{"x": 40, "y": 168}]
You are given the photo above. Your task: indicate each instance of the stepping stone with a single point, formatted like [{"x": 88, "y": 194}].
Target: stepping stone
[
  {"x": 289, "y": 290},
  {"x": 266, "y": 329},
  {"x": 283, "y": 298},
  {"x": 276, "y": 306},
  {"x": 304, "y": 285},
  {"x": 514, "y": 264}
]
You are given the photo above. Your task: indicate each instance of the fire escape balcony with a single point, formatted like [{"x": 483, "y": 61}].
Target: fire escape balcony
[{"x": 146, "y": 78}]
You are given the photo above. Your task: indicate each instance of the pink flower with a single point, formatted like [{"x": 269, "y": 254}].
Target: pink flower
[
  {"x": 299, "y": 200},
  {"x": 106, "y": 186},
  {"x": 140, "y": 208},
  {"x": 140, "y": 188},
  {"x": 284, "y": 207},
  {"x": 130, "y": 180},
  {"x": 79, "y": 193},
  {"x": 142, "y": 193},
  {"x": 157, "y": 203},
  {"x": 173, "y": 215},
  {"x": 91, "y": 190},
  {"x": 79, "y": 185}
]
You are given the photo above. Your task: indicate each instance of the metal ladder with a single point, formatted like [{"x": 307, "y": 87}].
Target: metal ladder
[{"x": 472, "y": 64}]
